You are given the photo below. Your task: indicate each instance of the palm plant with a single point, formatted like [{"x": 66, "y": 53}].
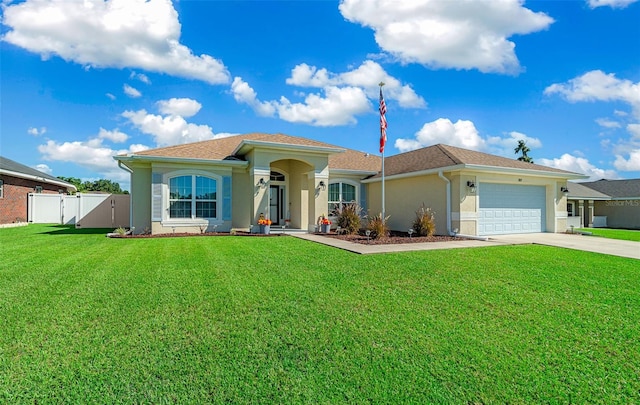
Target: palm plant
[{"x": 524, "y": 149}]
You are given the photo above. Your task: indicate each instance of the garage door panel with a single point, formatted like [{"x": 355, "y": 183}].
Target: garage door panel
[{"x": 507, "y": 208}]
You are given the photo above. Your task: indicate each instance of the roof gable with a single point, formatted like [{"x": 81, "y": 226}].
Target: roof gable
[
  {"x": 223, "y": 148},
  {"x": 441, "y": 156}
]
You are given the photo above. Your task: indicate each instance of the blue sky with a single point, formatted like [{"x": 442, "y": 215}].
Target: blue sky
[{"x": 85, "y": 80}]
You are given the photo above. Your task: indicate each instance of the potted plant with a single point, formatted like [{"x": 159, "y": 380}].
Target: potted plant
[
  {"x": 325, "y": 224},
  {"x": 265, "y": 224}
]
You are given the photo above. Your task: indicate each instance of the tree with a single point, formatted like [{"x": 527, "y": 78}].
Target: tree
[
  {"x": 103, "y": 185},
  {"x": 524, "y": 149}
]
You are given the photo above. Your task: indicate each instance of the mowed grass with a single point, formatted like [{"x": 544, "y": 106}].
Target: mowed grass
[
  {"x": 624, "y": 234},
  {"x": 84, "y": 318}
]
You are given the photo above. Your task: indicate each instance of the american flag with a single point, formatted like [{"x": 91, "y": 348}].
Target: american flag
[{"x": 383, "y": 122}]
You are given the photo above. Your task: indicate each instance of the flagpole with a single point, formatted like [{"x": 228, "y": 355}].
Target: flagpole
[{"x": 383, "y": 140}]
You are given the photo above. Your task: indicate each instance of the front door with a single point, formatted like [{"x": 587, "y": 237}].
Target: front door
[{"x": 276, "y": 204}]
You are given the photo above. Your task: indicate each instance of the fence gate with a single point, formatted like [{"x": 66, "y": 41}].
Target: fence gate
[
  {"x": 52, "y": 209},
  {"x": 81, "y": 210}
]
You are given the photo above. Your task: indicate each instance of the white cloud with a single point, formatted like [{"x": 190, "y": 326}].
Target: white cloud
[
  {"x": 341, "y": 98},
  {"x": 599, "y": 86},
  {"x": 90, "y": 154},
  {"x": 131, "y": 92},
  {"x": 36, "y": 131},
  {"x": 110, "y": 96},
  {"x": 113, "y": 136},
  {"x": 579, "y": 165},
  {"x": 338, "y": 106},
  {"x": 140, "y": 76},
  {"x": 113, "y": 33},
  {"x": 607, "y": 123},
  {"x": 366, "y": 76},
  {"x": 610, "y": 3},
  {"x": 464, "y": 134},
  {"x": 185, "y": 107},
  {"x": 634, "y": 130},
  {"x": 243, "y": 93},
  {"x": 44, "y": 168},
  {"x": 168, "y": 130},
  {"x": 631, "y": 164},
  {"x": 448, "y": 34}
]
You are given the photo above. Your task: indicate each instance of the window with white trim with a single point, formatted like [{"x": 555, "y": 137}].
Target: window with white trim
[
  {"x": 193, "y": 197},
  {"x": 339, "y": 195}
]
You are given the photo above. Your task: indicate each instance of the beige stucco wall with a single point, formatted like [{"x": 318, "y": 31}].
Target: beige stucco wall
[
  {"x": 170, "y": 225},
  {"x": 141, "y": 199},
  {"x": 620, "y": 213},
  {"x": 241, "y": 189},
  {"x": 556, "y": 202},
  {"x": 403, "y": 197},
  {"x": 304, "y": 172}
]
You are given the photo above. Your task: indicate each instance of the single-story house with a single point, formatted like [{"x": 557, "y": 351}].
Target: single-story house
[
  {"x": 229, "y": 182},
  {"x": 17, "y": 181},
  {"x": 605, "y": 203}
]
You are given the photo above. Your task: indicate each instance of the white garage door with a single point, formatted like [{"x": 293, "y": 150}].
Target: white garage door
[{"x": 511, "y": 208}]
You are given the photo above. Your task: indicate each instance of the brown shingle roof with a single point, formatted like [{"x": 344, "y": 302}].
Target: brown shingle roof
[
  {"x": 616, "y": 188},
  {"x": 429, "y": 158},
  {"x": 578, "y": 190},
  {"x": 218, "y": 149},
  {"x": 440, "y": 156}
]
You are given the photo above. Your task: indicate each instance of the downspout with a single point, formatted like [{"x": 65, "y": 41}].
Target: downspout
[
  {"x": 125, "y": 168},
  {"x": 448, "y": 195}
]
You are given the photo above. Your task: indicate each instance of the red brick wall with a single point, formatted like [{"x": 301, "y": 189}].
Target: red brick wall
[{"x": 14, "y": 201}]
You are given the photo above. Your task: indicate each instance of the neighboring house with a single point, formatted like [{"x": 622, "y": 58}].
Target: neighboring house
[
  {"x": 17, "y": 181},
  {"x": 229, "y": 182},
  {"x": 605, "y": 203}
]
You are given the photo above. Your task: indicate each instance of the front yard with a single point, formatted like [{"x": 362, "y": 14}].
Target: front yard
[
  {"x": 84, "y": 318},
  {"x": 624, "y": 234}
]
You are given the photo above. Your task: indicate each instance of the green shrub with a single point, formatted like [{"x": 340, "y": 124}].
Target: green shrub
[
  {"x": 349, "y": 218},
  {"x": 425, "y": 223},
  {"x": 120, "y": 231},
  {"x": 378, "y": 226}
]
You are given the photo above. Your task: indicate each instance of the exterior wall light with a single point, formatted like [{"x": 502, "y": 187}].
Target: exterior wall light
[
  {"x": 261, "y": 182},
  {"x": 564, "y": 190},
  {"x": 322, "y": 185},
  {"x": 472, "y": 186}
]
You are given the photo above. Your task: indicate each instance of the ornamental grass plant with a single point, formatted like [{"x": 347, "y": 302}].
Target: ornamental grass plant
[
  {"x": 425, "y": 223},
  {"x": 378, "y": 226},
  {"x": 349, "y": 218}
]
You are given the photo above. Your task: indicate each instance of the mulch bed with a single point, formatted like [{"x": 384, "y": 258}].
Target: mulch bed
[
  {"x": 184, "y": 234},
  {"x": 393, "y": 238}
]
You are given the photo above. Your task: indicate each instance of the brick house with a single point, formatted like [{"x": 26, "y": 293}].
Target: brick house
[{"x": 17, "y": 181}]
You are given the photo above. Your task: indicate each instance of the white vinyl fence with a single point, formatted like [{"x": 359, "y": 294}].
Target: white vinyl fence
[{"x": 81, "y": 210}]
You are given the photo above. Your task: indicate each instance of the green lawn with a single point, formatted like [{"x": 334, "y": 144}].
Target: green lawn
[
  {"x": 624, "y": 234},
  {"x": 84, "y": 318}
]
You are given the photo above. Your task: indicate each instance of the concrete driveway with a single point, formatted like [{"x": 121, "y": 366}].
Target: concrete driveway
[{"x": 623, "y": 248}]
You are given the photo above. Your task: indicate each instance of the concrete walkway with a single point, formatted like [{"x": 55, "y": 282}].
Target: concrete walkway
[
  {"x": 595, "y": 244},
  {"x": 404, "y": 247},
  {"x": 615, "y": 247}
]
